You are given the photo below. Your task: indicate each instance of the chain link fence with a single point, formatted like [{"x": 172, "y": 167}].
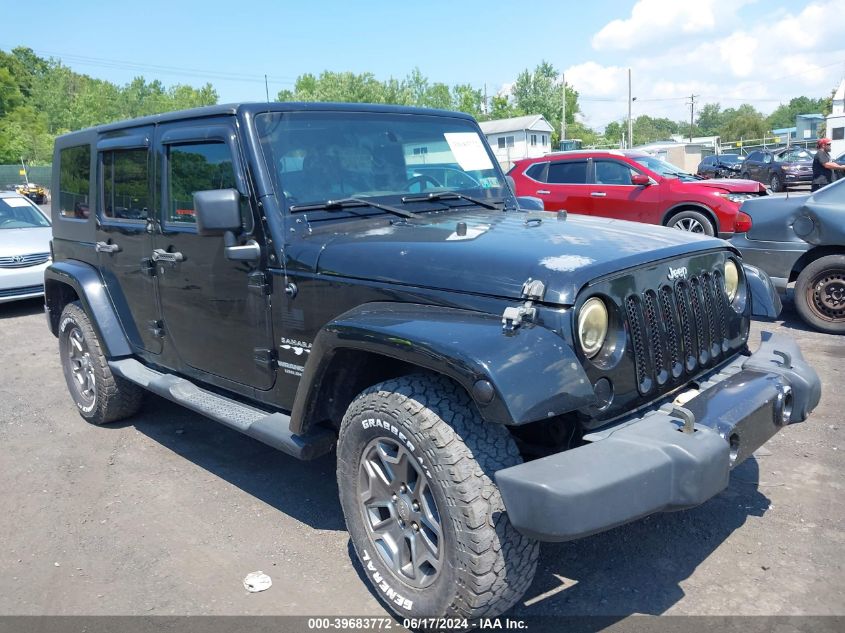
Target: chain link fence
[{"x": 10, "y": 175}]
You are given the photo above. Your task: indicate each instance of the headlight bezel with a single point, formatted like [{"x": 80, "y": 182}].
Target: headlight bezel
[
  {"x": 737, "y": 301},
  {"x": 594, "y": 306}
]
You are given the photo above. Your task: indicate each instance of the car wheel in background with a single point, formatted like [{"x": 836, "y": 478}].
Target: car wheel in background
[
  {"x": 820, "y": 294},
  {"x": 776, "y": 184},
  {"x": 692, "y": 221}
]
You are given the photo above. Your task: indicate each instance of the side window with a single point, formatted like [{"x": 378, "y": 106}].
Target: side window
[
  {"x": 195, "y": 167},
  {"x": 611, "y": 172},
  {"x": 568, "y": 172},
  {"x": 536, "y": 171},
  {"x": 125, "y": 193},
  {"x": 74, "y": 180}
]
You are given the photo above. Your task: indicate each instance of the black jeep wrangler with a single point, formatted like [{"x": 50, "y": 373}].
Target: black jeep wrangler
[{"x": 356, "y": 277}]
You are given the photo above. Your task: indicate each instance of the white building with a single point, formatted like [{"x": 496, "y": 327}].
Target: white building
[
  {"x": 519, "y": 137},
  {"x": 836, "y": 122}
]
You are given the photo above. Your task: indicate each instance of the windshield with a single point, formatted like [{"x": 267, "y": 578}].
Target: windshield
[
  {"x": 320, "y": 156},
  {"x": 731, "y": 159},
  {"x": 663, "y": 168},
  {"x": 19, "y": 213},
  {"x": 788, "y": 157}
]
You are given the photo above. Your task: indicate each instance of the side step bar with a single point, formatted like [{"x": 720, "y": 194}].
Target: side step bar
[{"x": 270, "y": 428}]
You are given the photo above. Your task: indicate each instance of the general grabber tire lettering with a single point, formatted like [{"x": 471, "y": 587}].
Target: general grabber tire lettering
[
  {"x": 415, "y": 474},
  {"x": 100, "y": 396}
]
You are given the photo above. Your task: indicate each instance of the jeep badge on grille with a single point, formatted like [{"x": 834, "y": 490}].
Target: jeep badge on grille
[{"x": 677, "y": 273}]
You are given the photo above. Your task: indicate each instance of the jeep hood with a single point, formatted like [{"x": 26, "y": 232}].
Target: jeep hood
[{"x": 499, "y": 251}]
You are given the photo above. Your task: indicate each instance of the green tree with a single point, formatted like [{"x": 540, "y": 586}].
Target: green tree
[
  {"x": 743, "y": 122},
  {"x": 784, "y": 115},
  {"x": 540, "y": 92}
]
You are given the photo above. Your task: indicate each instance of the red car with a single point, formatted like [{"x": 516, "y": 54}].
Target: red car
[{"x": 630, "y": 185}]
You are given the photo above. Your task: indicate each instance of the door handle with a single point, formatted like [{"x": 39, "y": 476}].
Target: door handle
[
  {"x": 598, "y": 194},
  {"x": 105, "y": 247},
  {"x": 543, "y": 191},
  {"x": 161, "y": 255}
]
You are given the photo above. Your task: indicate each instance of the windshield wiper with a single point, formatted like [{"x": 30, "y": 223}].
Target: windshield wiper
[
  {"x": 449, "y": 195},
  {"x": 345, "y": 203}
]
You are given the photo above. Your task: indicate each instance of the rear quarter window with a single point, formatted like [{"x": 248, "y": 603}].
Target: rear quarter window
[{"x": 74, "y": 182}]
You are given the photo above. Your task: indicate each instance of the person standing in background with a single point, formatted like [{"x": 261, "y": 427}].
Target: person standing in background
[{"x": 823, "y": 166}]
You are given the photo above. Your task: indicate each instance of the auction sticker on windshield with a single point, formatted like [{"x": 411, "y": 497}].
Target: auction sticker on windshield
[
  {"x": 468, "y": 150},
  {"x": 16, "y": 202}
]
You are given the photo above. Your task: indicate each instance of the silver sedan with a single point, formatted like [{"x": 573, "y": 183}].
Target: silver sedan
[{"x": 25, "y": 234}]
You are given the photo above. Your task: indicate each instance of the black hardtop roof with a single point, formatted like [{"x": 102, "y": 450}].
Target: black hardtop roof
[{"x": 255, "y": 108}]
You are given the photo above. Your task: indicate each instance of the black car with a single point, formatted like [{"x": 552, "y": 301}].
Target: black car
[
  {"x": 801, "y": 239},
  {"x": 779, "y": 169},
  {"x": 720, "y": 166},
  {"x": 488, "y": 377}
]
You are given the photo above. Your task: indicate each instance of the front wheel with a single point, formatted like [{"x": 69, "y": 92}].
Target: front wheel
[
  {"x": 693, "y": 222},
  {"x": 415, "y": 475},
  {"x": 776, "y": 184},
  {"x": 820, "y": 294}
]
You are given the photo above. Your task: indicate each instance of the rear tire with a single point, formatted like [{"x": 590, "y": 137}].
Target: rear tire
[
  {"x": 100, "y": 396},
  {"x": 820, "y": 294},
  {"x": 692, "y": 222},
  {"x": 415, "y": 467}
]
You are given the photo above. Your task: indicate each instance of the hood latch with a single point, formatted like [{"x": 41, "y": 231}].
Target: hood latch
[{"x": 513, "y": 316}]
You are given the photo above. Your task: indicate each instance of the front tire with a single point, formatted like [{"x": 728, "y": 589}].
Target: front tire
[
  {"x": 820, "y": 294},
  {"x": 776, "y": 184},
  {"x": 100, "y": 396},
  {"x": 415, "y": 476},
  {"x": 692, "y": 222}
]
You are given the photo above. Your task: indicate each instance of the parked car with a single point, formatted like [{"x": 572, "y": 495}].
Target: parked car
[
  {"x": 24, "y": 247},
  {"x": 631, "y": 185},
  {"x": 779, "y": 169},
  {"x": 487, "y": 377},
  {"x": 36, "y": 193},
  {"x": 720, "y": 166},
  {"x": 801, "y": 239}
]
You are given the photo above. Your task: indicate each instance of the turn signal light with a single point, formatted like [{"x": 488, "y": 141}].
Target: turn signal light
[{"x": 742, "y": 224}]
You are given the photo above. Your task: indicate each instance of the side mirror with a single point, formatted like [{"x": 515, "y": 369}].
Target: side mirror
[
  {"x": 640, "y": 180},
  {"x": 218, "y": 211},
  {"x": 530, "y": 203}
]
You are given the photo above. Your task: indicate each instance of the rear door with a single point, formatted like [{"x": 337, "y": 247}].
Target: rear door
[
  {"x": 216, "y": 311},
  {"x": 566, "y": 187},
  {"x": 752, "y": 165},
  {"x": 124, "y": 233}
]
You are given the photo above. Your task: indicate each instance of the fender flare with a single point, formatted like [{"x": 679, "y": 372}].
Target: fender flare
[
  {"x": 533, "y": 372},
  {"x": 86, "y": 282}
]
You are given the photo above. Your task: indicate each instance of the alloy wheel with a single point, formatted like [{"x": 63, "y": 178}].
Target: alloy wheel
[{"x": 400, "y": 513}]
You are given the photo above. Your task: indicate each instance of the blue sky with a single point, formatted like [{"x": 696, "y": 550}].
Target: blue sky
[{"x": 728, "y": 51}]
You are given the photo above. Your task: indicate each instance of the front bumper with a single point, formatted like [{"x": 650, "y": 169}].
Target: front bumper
[{"x": 667, "y": 459}]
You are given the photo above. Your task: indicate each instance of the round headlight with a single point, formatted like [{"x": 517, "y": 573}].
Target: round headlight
[
  {"x": 592, "y": 326},
  {"x": 731, "y": 279}
]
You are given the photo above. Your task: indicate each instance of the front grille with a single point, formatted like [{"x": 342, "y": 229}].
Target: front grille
[
  {"x": 22, "y": 261},
  {"x": 18, "y": 292},
  {"x": 677, "y": 328}
]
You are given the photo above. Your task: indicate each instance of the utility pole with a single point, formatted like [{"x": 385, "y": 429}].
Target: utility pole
[
  {"x": 484, "y": 109},
  {"x": 563, "y": 104},
  {"x": 266, "y": 88},
  {"x": 691, "y": 115},
  {"x": 630, "y": 121}
]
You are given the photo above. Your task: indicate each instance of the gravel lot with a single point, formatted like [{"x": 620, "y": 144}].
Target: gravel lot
[{"x": 167, "y": 512}]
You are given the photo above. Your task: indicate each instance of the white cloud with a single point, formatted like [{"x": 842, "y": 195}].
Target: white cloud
[
  {"x": 763, "y": 60},
  {"x": 653, "y": 20}
]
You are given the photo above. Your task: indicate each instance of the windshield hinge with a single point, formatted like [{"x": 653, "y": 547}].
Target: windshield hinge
[{"x": 513, "y": 317}]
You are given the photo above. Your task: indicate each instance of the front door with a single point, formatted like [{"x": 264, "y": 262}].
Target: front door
[
  {"x": 125, "y": 234},
  {"x": 614, "y": 196},
  {"x": 216, "y": 311}
]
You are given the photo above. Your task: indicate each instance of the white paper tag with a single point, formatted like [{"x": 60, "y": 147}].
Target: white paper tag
[
  {"x": 16, "y": 202},
  {"x": 468, "y": 150}
]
